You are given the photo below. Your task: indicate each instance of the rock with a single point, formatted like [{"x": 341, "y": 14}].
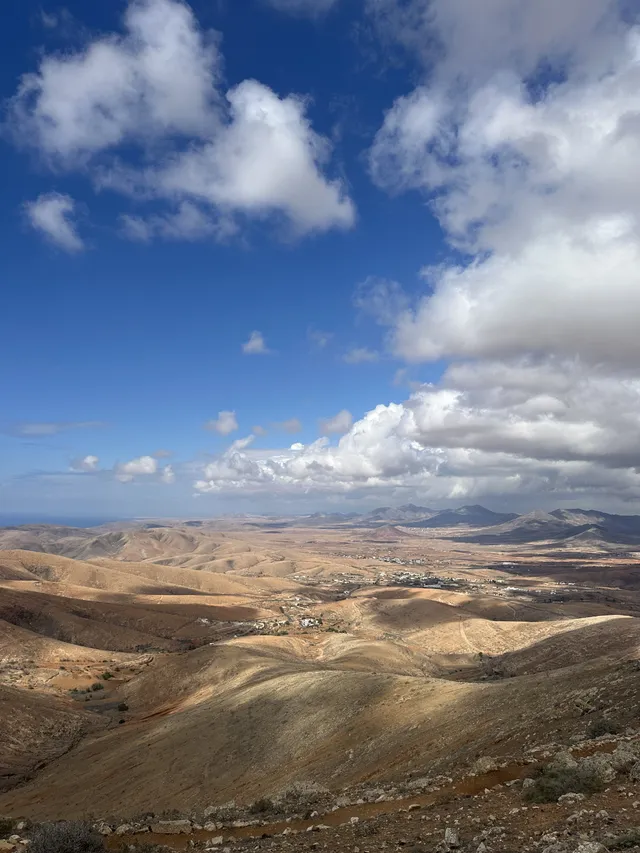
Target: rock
[
  {"x": 6, "y": 845},
  {"x": 216, "y": 841},
  {"x": 21, "y": 825},
  {"x": 451, "y": 837},
  {"x": 210, "y": 826},
  {"x": 634, "y": 773},
  {"x": 414, "y": 807},
  {"x": 210, "y": 810},
  {"x": 600, "y": 765},
  {"x": 103, "y": 828},
  {"x": 124, "y": 829},
  {"x": 484, "y": 765},
  {"x": 571, "y": 798},
  {"x": 563, "y": 761},
  {"x": 322, "y": 826},
  {"x": 528, "y": 783},
  {"x": 623, "y": 758},
  {"x": 602, "y": 814},
  {"x": 354, "y": 820},
  {"x": 591, "y": 847},
  {"x": 171, "y": 827}
]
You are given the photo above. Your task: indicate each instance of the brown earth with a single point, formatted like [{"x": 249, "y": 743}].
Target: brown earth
[{"x": 249, "y": 660}]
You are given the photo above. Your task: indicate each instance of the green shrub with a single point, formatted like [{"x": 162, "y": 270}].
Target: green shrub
[
  {"x": 6, "y": 826},
  {"x": 66, "y": 837},
  {"x": 600, "y": 727},
  {"x": 630, "y": 838},
  {"x": 261, "y": 806},
  {"x": 107, "y": 675},
  {"x": 552, "y": 782},
  {"x": 97, "y": 686},
  {"x": 123, "y": 707}
]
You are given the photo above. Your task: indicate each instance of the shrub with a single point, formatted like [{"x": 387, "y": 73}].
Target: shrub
[
  {"x": 264, "y": 804},
  {"x": 600, "y": 727},
  {"x": 123, "y": 707},
  {"x": 66, "y": 837},
  {"x": 97, "y": 686},
  {"x": 552, "y": 782},
  {"x": 630, "y": 838},
  {"x": 6, "y": 826},
  {"x": 107, "y": 675}
]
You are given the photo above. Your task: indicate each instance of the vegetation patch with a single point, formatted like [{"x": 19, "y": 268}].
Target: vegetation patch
[
  {"x": 66, "y": 837},
  {"x": 552, "y": 782}
]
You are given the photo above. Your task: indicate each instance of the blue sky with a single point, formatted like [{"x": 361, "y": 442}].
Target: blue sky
[{"x": 179, "y": 177}]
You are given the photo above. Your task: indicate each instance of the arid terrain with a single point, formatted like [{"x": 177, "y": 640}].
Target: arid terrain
[{"x": 174, "y": 666}]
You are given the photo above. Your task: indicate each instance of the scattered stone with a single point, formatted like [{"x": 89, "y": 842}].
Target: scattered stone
[
  {"x": 634, "y": 773},
  {"x": 571, "y": 798},
  {"x": 451, "y": 837},
  {"x": 591, "y": 847},
  {"x": 103, "y": 828},
  {"x": 124, "y": 829},
  {"x": 216, "y": 841},
  {"x": 414, "y": 807}
]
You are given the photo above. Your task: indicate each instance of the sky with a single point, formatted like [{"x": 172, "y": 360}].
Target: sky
[{"x": 319, "y": 255}]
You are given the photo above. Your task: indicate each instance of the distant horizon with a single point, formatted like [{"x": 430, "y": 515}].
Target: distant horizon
[{"x": 19, "y": 519}]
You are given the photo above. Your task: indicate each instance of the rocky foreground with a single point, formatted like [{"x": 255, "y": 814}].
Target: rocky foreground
[{"x": 586, "y": 800}]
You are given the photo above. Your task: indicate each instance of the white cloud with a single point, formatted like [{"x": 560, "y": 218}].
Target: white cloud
[
  {"x": 360, "y": 355},
  {"x": 87, "y": 464},
  {"x": 51, "y": 214},
  {"x": 255, "y": 345},
  {"x": 224, "y": 424},
  {"x": 338, "y": 424},
  {"x": 157, "y": 79},
  {"x": 143, "y": 465},
  {"x": 211, "y": 155},
  {"x": 519, "y": 428},
  {"x": 539, "y": 183},
  {"x": 168, "y": 475},
  {"x": 292, "y": 425},
  {"x": 259, "y": 430}
]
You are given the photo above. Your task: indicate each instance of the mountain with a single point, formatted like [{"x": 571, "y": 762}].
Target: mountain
[
  {"x": 405, "y": 513},
  {"x": 563, "y": 525},
  {"x": 473, "y": 516}
]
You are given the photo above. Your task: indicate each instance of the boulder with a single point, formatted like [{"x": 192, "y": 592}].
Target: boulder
[
  {"x": 451, "y": 837},
  {"x": 600, "y": 765},
  {"x": 563, "y": 761},
  {"x": 571, "y": 798}
]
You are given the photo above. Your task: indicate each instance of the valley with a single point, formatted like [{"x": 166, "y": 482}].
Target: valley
[{"x": 175, "y": 666}]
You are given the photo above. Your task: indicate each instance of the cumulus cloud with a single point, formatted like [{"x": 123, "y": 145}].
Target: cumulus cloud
[
  {"x": 224, "y": 424},
  {"x": 486, "y": 430},
  {"x": 524, "y": 137},
  {"x": 143, "y": 465},
  {"x": 360, "y": 355},
  {"x": 52, "y": 215},
  {"x": 535, "y": 178},
  {"x": 86, "y": 465},
  {"x": 212, "y": 155},
  {"x": 255, "y": 345},
  {"x": 338, "y": 424},
  {"x": 168, "y": 475}
]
